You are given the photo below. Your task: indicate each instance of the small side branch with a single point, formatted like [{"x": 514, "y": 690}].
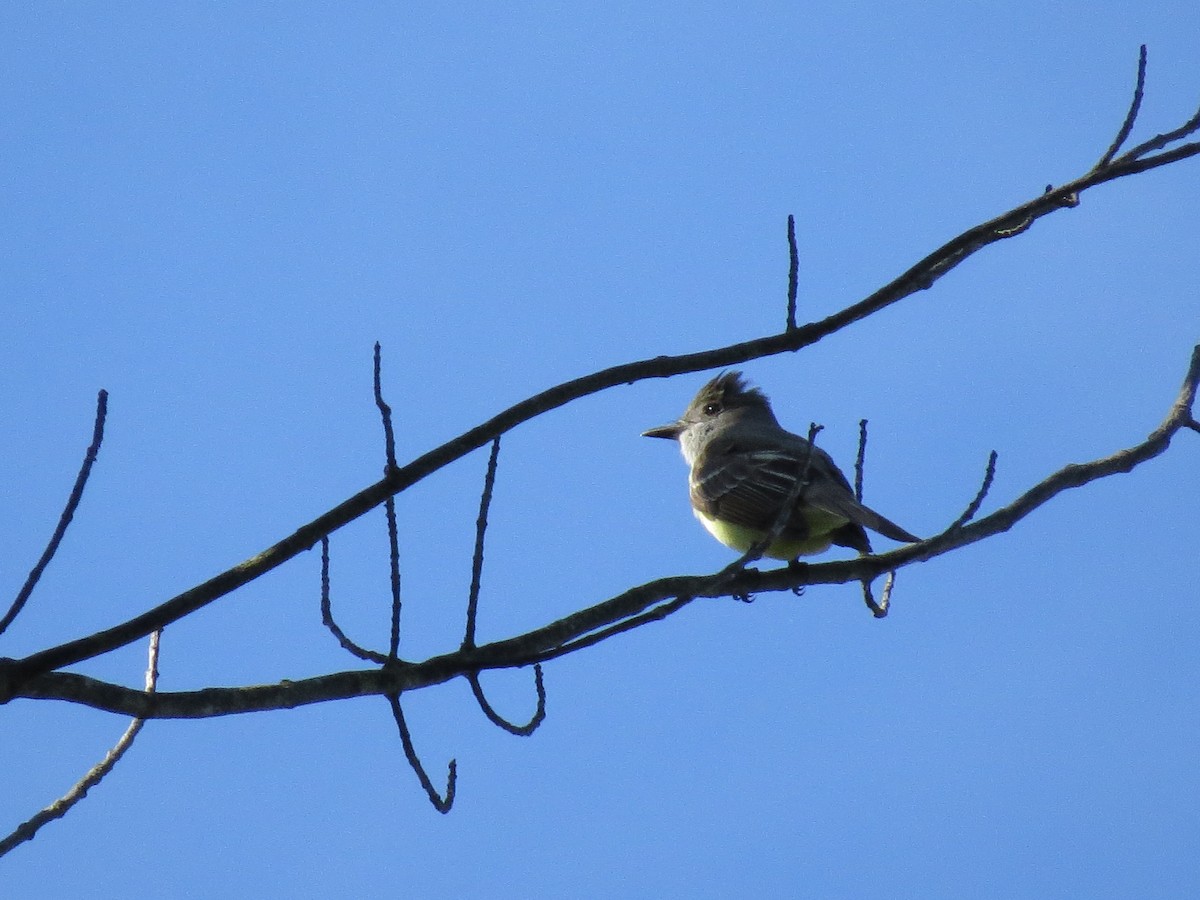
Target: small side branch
[
  {"x": 389, "y": 506},
  {"x": 442, "y": 803},
  {"x": 1135, "y": 106},
  {"x": 539, "y": 714},
  {"x": 327, "y": 615},
  {"x": 860, "y": 460},
  {"x": 793, "y": 273},
  {"x": 64, "y": 520},
  {"x": 481, "y": 523},
  {"x": 973, "y": 507},
  {"x": 27, "y": 830}
]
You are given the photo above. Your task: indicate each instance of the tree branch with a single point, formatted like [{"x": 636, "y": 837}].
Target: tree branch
[
  {"x": 28, "y": 829},
  {"x": 68, "y": 513},
  {"x": 648, "y": 602},
  {"x": 918, "y": 277}
]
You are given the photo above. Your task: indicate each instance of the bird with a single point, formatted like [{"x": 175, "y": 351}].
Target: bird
[{"x": 743, "y": 470}]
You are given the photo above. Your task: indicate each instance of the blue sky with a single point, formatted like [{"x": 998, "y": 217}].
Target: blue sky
[{"x": 214, "y": 211}]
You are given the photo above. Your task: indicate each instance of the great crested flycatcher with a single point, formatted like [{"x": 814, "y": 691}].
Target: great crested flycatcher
[{"x": 744, "y": 468}]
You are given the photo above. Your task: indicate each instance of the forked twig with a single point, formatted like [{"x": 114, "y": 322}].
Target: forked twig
[{"x": 60, "y": 807}]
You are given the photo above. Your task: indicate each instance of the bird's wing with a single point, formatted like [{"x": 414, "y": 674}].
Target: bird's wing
[{"x": 746, "y": 483}]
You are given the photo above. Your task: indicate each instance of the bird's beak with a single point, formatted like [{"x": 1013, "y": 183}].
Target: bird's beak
[{"x": 670, "y": 432}]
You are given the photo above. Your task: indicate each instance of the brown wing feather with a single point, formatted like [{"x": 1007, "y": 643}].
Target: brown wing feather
[{"x": 747, "y": 485}]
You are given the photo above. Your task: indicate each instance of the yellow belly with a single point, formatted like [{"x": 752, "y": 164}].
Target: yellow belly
[{"x": 741, "y": 538}]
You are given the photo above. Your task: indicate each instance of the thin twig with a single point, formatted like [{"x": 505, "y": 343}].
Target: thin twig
[
  {"x": 59, "y": 808},
  {"x": 860, "y": 460},
  {"x": 481, "y": 523},
  {"x": 68, "y": 514},
  {"x": 1131, "y": 116},
  {"x": 441, "y": 803},
  {"x": 385, "y": 411},
  {"x": 879, "y": 609},
  {"x": 539, "y": 713},
  {"x": 389, "y": 507},
  {"x": 327, "y": 615},
  {"x": 973, "y": 507},
  {"x": 889, "y": 582},
  {"x": 793, "y": 273},
  {"x": 1159, "y": 141}
]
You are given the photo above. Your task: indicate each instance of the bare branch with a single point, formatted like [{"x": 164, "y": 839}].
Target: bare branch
[
  {"x": 64, "y": 520},
  {"x": 389, "y": 508},
  {"x": 920, "y": 276},
  {"x": 327, "y": 615},
  {"x": 610, "y": 617},
  {"x": 860, "y": 460},
  {"x": 973, "y": 507},
  {"x": 27, "y": 830},
  {"x": 481, "y": 523},
  {"x": 793, "y": 273},
  {"x": 539, "y": 714},
  {"x": 1131, "y": 116},
  {"x": 441, "y": 803}
]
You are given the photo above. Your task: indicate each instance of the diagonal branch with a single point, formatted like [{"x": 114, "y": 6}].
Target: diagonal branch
[
  {"x": 918, "y": 277},
  {"x": 648, "y": 602}
]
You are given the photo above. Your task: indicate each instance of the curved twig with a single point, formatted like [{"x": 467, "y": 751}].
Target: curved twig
[
  {"x": 1130, "y": 117},
  {"x": 539, "y": 714},
  {"x": 441, "y": 803},
  {"x": 989, "y": 475},
  {"x": 327, "y": 615},
  {"x": 468, "y": 642},
  {"x": 64, "y": 520}
]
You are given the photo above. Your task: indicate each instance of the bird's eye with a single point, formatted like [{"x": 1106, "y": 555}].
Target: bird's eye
[{"x": 711, "y": 409}]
